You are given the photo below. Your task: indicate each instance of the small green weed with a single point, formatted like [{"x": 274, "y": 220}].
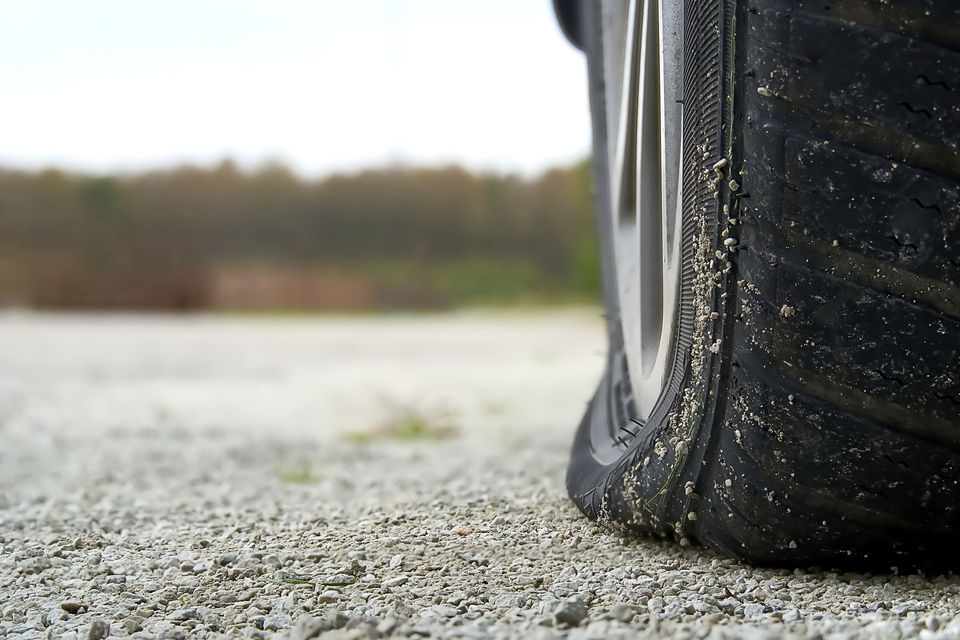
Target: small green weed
[
  {"x": 299, "y": 473},
  {"x": 407, "y": 424}
]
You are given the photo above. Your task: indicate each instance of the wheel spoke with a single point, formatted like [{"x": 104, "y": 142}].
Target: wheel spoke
[
  {"x": 624, "y": 188},
  {"x": 650, "y": 197},
  {"x": 671, "y": 96},
  {"x": 645, "y": 119}
]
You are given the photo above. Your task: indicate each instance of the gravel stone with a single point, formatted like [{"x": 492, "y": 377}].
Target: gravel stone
[
  {"x": 396, "y": 582},
  {"x": 337, "y": 619},
  {"x": 389, "y": 625},
  {"x": 791, "y": 616},
  {"x": 276, "y": 622},
  {"x": 655, "y": 605},
  {"x": 227, "y": 559},
  {"x": 180, "y": 615},
  {"x": 98, "y": 630},
  {"x": 308, "y": 626},
  {"x": 571, "y": 612},
  {"x": 36, "y": 565},
  {"x": 444, "y": 611},
  {"x": 73, "y": 607},
  {"x": 623, "y": 612},
  {"x": 169, "y": 632},
  {"x": 132, "y": 624}
]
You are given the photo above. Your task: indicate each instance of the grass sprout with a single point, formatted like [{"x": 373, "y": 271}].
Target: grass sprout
[{"x": 405, "y": 423}]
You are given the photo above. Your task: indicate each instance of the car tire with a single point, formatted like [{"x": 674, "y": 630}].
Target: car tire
[{"x": 804, "y": 401}]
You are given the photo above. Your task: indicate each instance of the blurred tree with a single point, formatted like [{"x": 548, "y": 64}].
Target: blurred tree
[{"x": 221, "y": 237}]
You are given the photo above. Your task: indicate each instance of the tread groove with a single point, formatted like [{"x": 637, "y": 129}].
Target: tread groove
[
  {"x": 888, "y": 17},
  {"x": 894, "y": 417},
  {"x": 918, "y": 290}
]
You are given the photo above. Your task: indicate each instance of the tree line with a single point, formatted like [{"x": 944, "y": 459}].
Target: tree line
[{"x": 220, "y": 238}]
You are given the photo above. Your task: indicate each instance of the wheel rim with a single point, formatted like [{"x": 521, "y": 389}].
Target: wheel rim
[{"x": 644, "y": 118}]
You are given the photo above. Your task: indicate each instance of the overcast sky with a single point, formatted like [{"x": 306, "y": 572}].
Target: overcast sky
[{"x": 323, "y": 85}]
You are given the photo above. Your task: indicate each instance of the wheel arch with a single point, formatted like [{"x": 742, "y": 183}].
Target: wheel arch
[{"x": 569, "y": 15}]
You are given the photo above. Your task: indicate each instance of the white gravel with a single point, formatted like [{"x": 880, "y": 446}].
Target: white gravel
[{"x": 179, "y": 477}]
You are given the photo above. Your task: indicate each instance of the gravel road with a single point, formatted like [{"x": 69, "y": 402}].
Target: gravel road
[{"x": 353, "y": 478}]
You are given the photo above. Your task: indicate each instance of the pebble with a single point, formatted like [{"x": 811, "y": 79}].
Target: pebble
[
  {"x": 389, "y": 625},
  {"x": 791, "y": 616},
  {"x": 73, "y": 607},
  {"x": 181, "y": 615},
  {"x": 571, "y": 612},
  {"x": 132, "y": 624},
  {"x": 171, "y": 633},
  {"x": 98, "y": 630},
  {"x": 337, "y": 619},
  {"x": 623, "y": 612},
  {"x": 655, "y": 605},
  {"x": 276, "y": 622},
  {"x": 328, "y": 597},
  {"x": 444, "y": 611},
  {"x": 308, "y": 626}
]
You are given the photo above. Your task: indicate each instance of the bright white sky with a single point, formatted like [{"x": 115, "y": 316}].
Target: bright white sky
[{"x": 322, "y": 85}]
